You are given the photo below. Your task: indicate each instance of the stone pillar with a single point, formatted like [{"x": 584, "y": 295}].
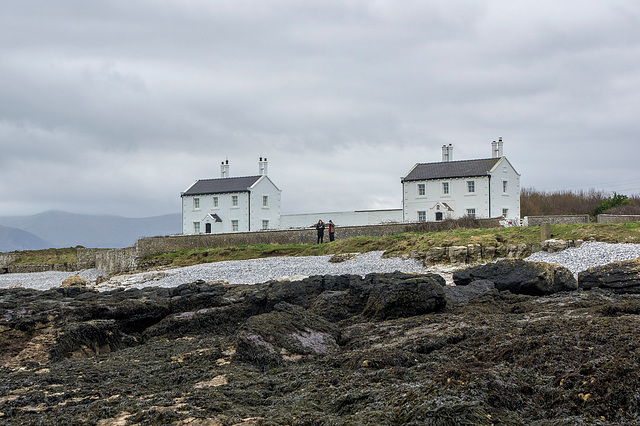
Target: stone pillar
[{"x": 545, "y": 231}]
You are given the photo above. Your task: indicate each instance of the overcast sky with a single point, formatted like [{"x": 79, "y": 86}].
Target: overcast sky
[{"x": 115, "y": 107}]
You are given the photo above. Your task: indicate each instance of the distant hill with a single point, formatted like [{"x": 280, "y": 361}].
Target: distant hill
[
  {"x": 13, "y": 239},
  {"x": 63, "y": 229}
]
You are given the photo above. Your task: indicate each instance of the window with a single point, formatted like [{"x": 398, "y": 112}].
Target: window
[
  {"x": 234, "y": 225},
  {"x": 445, "y": 187},
  {"x": 422, "y": 190},
  {"x": 265, "y": 224},
  {"x": 422, "y": 216},
  {"x": 265, "y": 201},
  {"x": 234, "y": 201},
  {"x": 196, "y": 203},
  {"x": 505, "y": 213},
  {"x": 196, "y": 227},
  {"x": 471, "y": 186},
  {"x": 215, "y": 202},
  {"x": 505, "y": 186},
  {"x": 471, "y": 212}
]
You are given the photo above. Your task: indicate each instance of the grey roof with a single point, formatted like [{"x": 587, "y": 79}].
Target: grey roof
[
  {"x": 451, "y": 169},
  {"x": 222, "y": 185}
]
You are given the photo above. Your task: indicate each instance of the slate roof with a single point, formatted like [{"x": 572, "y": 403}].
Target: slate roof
[
  {"x": 222, "y": 185},
  {"x": 451, "y": 169}
]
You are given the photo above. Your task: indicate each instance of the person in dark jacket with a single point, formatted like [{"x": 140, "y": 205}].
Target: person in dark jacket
[
  {"x": 320, "y": 229},
  {"x": 332, "y": 231}
]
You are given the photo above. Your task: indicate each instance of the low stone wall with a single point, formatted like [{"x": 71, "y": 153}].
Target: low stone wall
[
  {"x": 614, "y": 218},
  {"x": 556, "y": 219},
  {"x": 108, "y": 260}
]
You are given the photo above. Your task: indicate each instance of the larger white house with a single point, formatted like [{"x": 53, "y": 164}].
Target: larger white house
[
  {"x": 483, "y": 188},
  {"x": 231, "y": 204}
]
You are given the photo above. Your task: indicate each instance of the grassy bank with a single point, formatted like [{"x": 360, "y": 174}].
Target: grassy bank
[
  {"x": 402, "y": 244},
  {"x": 394, "y": 245}
]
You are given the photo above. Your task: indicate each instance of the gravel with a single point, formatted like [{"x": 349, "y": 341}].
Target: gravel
[
  {"x": 588, "y": 255},
  {"x": 255, "y": 271}
]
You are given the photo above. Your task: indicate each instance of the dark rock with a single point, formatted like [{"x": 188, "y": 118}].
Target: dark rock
[
  {"x": 269, "y": 339},
  {"x": 621, "y": 277},
  {"x": 464, "y": 293},
  {"x": 520, "y": 277},
  {"x": 399, "y": 295}
]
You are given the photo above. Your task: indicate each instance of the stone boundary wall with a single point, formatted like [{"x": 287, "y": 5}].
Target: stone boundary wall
[
  {"x": 556, "y": 219},
  {"x": 108, "y": 260},
  {"x": 614, "y": 218}
]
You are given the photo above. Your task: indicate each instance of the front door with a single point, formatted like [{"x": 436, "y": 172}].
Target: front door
[
  {"x": 207, "y": 228},
  {"x": 438, "y": 216}
]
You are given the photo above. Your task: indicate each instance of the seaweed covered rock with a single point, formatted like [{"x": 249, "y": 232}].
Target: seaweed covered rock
[
  {"x": 399, "y": 295},
  {"x": 520, "y": 277},
  {"x": 287, "y": 332},
  {"x": 620, "y": 277},
  {"x": 464, "y": 293}
]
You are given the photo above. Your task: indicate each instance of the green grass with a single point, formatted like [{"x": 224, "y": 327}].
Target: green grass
[
  {"x": 394, "y": 245},
  {"x": 402, "y": 244},
  {"x": 47, "y": 256}
]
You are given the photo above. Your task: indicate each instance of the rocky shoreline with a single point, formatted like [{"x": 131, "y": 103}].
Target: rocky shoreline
[{"x": 514, "y": 342}]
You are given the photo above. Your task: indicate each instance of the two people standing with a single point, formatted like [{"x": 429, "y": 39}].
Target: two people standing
[{"x": 320, "y": 227}]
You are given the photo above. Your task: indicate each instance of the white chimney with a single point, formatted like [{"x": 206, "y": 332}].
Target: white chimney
[
  {"x": 496, "y": 149},
  {"x": 447, "y": 153},
  {"x": 224, "y": 169},
  {"x": 262, "y": 166}
]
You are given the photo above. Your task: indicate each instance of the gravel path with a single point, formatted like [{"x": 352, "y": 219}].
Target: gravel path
[{"x": 262, "y": 270}]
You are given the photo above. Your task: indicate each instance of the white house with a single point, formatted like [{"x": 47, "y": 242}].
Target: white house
[
  {"x": 483, "y": 188},
  {"x": 231, "y": 204}
]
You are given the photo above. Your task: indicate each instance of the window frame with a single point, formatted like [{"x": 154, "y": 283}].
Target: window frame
[
  {"x": 234, "y": 201},
  {"x": 196, "y": 203},
  {"x": 422, "y": 216},
  {"x": 446, "y": 188},
  {"x": 471, "y": 187},
  {"x": 235, "y": 225},
  {"x": 265, "y": 224},
  {"x": 422, "y": 189},
  {"x": 196, "y": 227},
  {"x": 505, "y": 186},
  {"x": 216, "y": 202},
  {"x": 471, "y": 212},
  {"x": 265, "y": 201}
]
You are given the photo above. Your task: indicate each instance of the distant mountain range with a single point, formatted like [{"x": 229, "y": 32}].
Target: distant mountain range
[{"x": 55, "y": 229}]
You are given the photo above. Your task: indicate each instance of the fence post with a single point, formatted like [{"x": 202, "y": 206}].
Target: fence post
[{"x": 545, "y": 231}]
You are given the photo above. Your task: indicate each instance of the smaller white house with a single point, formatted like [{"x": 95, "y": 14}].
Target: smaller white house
[
  {"x": 482, "y": 188},
  {"x": 231, "y": 204}
]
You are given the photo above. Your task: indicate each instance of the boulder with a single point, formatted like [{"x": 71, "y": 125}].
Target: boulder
[
  {"x": 73, "y": 286},
  {"x": 520, "y": 277},
  {"x": 620, "y": 277},
  {"x": 288, "y": 332},
  {"x": 400, "y": 295}
]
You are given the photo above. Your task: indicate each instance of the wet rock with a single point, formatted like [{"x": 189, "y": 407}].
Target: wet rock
[
  {"x": 520, "y": 277},
  {"x": 269, "y": 339},
  {"x": 402, "y": 295},
  {"x": 464, "y": 293},
  {"x": 620, "y": 277}
]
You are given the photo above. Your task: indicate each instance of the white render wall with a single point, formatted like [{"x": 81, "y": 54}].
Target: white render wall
[
  {"x": 459, "y": 199},
  {"x": 225, "y": 210},
  {"x": 510, "y": 200},
  {"x": 264, "y": 187},
  {"x": 345, "y": 218}
]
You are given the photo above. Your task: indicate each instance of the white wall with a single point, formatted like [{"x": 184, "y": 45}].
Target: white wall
[
  {"x": 510, "y": 200},
  {"x": 347, "y": 218},
  {"x": 264, "y": 187},
  {"x": 459, "y": 199}
]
